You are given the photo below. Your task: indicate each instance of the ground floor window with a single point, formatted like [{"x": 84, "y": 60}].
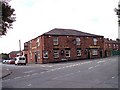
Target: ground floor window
[
  {"x": 45, "y": 54},
  {"x": 56, "y": 53},
  {"x": 94, "y": 52},
  {"x": 67, "y": 52},
  {"x": 78, "y": 52}
]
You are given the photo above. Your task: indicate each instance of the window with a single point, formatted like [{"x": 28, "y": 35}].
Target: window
[
  {"x": 45, "y": 54},
  {"x": 55, "y": 41},
  {"x": 95, "y": 41},
  {"x": 117, "y": 46},
  {"x": 30, "y": 55},
  {"x": 78, "y": 52},
  {"x": 38, "y": 53},
  {"x": 77, "y": 41},
  {"x": 56, "y": 53},
  {"x": 114, "y": 45},
  {"x": 67, "y": 52},
  {"x": 94, "y": 52},
  {"x": 38, "y": 42},
  {"x": 109, "y": 45}
]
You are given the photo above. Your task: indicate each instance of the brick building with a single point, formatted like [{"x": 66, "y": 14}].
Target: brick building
[
  {"x": 111, "y": 47},
  {"x": 14, "y": 54},
  {"x": 64, "y": 44}
]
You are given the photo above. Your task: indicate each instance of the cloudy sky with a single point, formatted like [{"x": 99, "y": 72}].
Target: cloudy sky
[{"x": 35, "y": 17}]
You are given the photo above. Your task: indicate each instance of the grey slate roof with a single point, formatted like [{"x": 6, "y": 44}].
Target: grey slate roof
[
  {"x": 64, "y": 32},
  {"x": 14, "y": 52}
]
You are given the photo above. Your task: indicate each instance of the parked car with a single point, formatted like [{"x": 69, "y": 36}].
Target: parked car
[
  {"x": 20, "y": 60},
  {"x": 4, "y": 61},
  {"x": 12, "y": 61}
]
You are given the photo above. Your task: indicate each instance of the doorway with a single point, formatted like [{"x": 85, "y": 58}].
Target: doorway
[
  {"x": 101, "y": 54},
  {"x": 35, "y": 59},
  {"x": 26, "y": 58},
  {"x": 88, "y": 54}
]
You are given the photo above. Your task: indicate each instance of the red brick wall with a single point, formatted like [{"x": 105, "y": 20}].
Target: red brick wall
[{"x": 67, "y": 42}]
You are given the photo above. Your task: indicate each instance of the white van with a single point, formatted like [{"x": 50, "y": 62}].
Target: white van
[{"x": 20, "y": 60}]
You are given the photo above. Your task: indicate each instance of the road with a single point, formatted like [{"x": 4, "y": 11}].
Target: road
[{"x": 94, "y": 73}]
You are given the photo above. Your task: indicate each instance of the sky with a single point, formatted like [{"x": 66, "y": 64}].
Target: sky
[{"x": 35, "y": 17}]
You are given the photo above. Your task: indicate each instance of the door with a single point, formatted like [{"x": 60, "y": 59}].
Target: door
[
  {"x": 100, "y": 53},
  {"x": 88, "y": 54},
  {"x": 26, "y": 58},
  {"x": 35, "y": 59}
]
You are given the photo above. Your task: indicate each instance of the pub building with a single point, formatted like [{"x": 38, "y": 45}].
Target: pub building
[{"x": 64, "y": 44}]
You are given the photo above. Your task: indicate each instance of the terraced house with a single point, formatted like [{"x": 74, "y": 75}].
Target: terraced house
[
  {"x": 112, "y": 47},
  {"x": 64, "y": 44}
]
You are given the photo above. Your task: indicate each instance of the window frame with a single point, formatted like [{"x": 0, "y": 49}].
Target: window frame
[
  {"x": 78, "y": 41},
  {"x": 56, "y": 53},
  {"x": 94, "y": 52},
  {"x": 67, "y": 52},
  {"x": 79, "y": 52},
  {"x": 44, "y": 56},
  {"x": 55, "y": 41},
  {"x": 95, "y": 41}
]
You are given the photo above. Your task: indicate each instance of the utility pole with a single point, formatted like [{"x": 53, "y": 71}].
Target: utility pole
[{"x": 20, "y": 45}]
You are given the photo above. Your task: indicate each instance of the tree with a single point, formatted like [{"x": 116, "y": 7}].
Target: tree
[
  {"x": 7, "y": 17},
  {"x": 118, "y": 12}
]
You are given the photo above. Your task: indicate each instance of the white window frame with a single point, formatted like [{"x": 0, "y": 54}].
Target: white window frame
[
  {"x": 45, "y": 54},
  {"x": 55, "y": 41},
  {"x": 94, "y": 52},
  {"x": 95, "y": 41},
  {"x": 38, "y": 42},
  {"x": 109, "y": 45},
  {"x": 56, "y": 53},
  {"x": 67, "y": 52},
  {"x": 77, "y": 41},
  {"x": 79, "y": 52}
]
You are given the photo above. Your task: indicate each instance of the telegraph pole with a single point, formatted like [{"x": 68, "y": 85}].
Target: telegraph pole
[{"x": 20, "y": 45}]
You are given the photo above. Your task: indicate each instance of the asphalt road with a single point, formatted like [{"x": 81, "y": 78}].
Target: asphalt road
[{"x": 94, "y": 73}]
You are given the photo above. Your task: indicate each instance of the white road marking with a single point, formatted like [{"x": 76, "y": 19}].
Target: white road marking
[
  {"x": 17, "y": 77},
  {"x": 28, "y": 71},
  {"x": 96, "y": 65},
  {"x": 53, "y": 69},
  {"x": 34, "y": 73},
  {"x": 58, "y": 68},
  {"x": 27, "y": 76},
  {"x": 7, "y": 69},
  {"x": 113, "y": 77},
  {"x": 79, "y": 71},
  {"x": 100, "y": 61},
  {"x": 42, "y": 72},
  {"x": 47, "y": 71},
  {"x": 29, "y": 84},
  {"x": 90, "y": 67}
]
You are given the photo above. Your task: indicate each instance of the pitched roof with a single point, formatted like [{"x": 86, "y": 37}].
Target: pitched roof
[
  {"x": 59, "y": 31},
  {"x": 14, "y": 52}
]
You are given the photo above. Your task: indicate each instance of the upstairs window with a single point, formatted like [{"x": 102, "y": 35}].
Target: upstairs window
[
  {"x": 38, "y": 42},
  {"x": 109, "y": 45},
  {"x": 95, "y": 41},
  {"x": 77, "y": 41},
  {"x": 55, "y": 41}
]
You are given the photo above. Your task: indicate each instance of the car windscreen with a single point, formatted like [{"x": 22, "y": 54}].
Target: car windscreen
[{"x": 21, "y": 58}]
